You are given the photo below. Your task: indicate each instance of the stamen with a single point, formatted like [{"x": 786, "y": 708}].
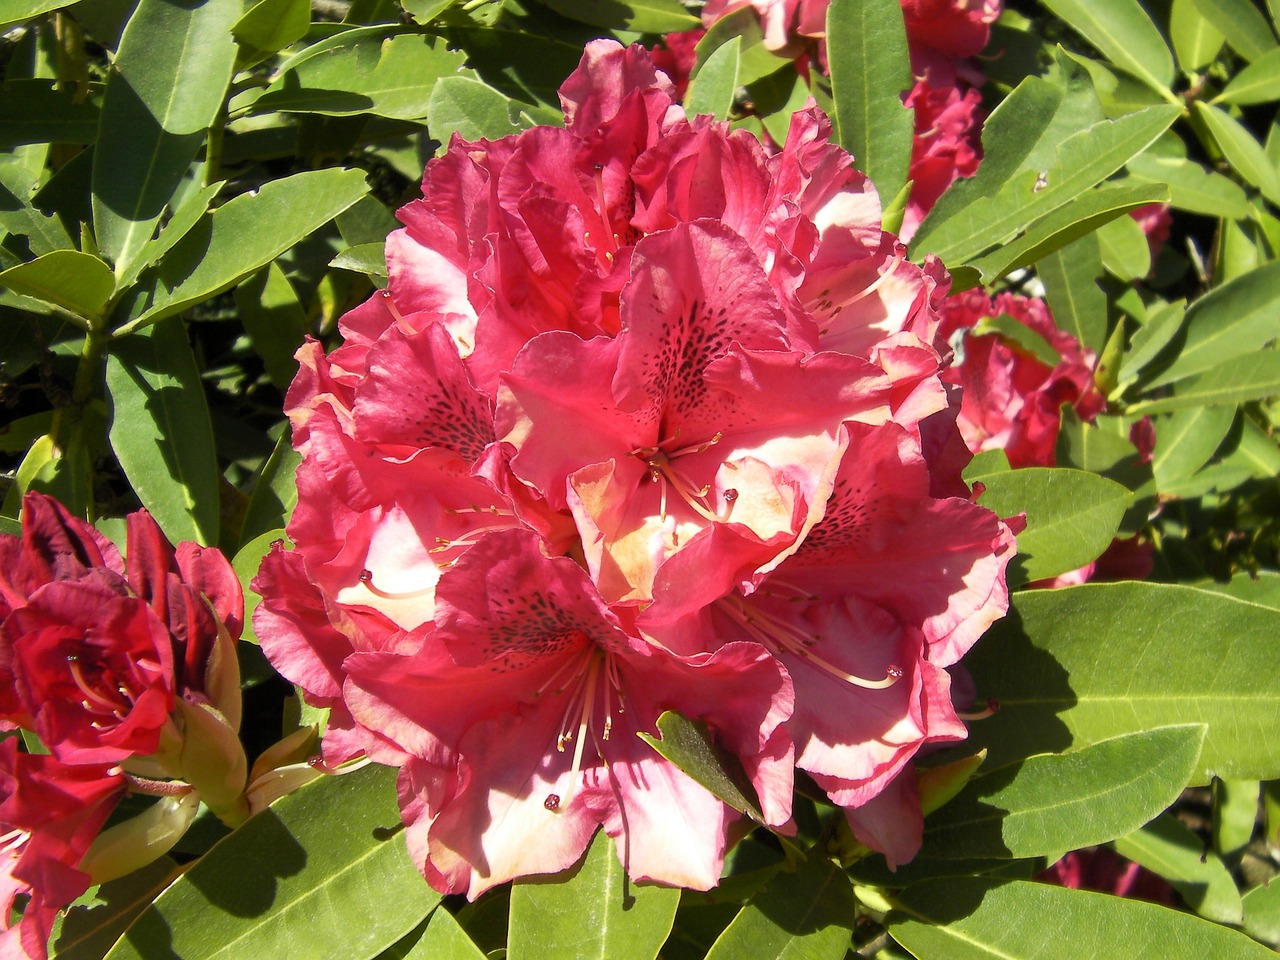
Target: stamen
[
  {"x": 366, "y": 577},
  {"x": 993, "y": 707},
  {"x": 94, "y": 700},
  {"x": 871, "y": 287}
]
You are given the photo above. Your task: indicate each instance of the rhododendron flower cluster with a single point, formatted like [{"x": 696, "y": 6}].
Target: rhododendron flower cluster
[
  {"x": 647, "y": 419},
  {"x": 125, "y": 673}
]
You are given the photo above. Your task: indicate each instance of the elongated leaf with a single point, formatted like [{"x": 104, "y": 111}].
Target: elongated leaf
[
  {"x": 1262, "y": 913},
  {"x": 180, "y": 224},
  {"x": 1070, "y": 276},
  {"x": 368, "y": 72},
  {"x": 1084, "y": 159},
  {"x": 1232, "y": 382},
  {"x": 271, "y": 25},
  {"x": 1071, "y": 517},
  {"x": 470, "y": 108},
  {"x": 275, "y": 492},
  {"x": 1233, "y": 320},
  {"x": 35, "y": 111},
  {"x": 1169, "y": 848},
  {"x": 594, "y": 912},
  {"x": 168, "y": 83},
  {"x": 713, "y": 88},
  {"x": 1192, "y": 187},
  {"x": 322, "y": 873},
  {"x": 1259, "y": 82},
  {"x": 1242, "y": 151},
  {"x": 642, "y": 16},
  {"x": 1243, "y": 24},
  {"x": 1083, "y": 664},
  {"x": 367, "y": 258},
  {"x": 161, "y": 432},
  {"x": 870, "y": 69},
  {"x": 1195, "y": 39},
  {"x": 807, "y": 915},
  {"x": 1125, "y": 251},
  {"x": 19, "y": 11},
  {"x": 245, "y": 235},
  {"x": 688, "y": 745},
  {"x": 18, "y": 216},
  {"x": 1187, "y": 439},
  {"x": 96, "y": 921},
  {"x": 755, "y": 60},
  {"x": 274, "y": 320},
  {"x": 975, "y": 919},
  {"x": 1125, "y": 34},
  {"x": 79, "y": 282},
  {"x": 1050, "y": 803},
  {"x": 440, "y": 939}
]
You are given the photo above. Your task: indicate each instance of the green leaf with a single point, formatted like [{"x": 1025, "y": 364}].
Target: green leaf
[
  {"x": 470, "y": 108},
  {"x": 271, "y": 25},
  {"x": 870, "y": 69},
  {"x": 1192, "y": 187},
  {"x": 1125, "y": 34},
  {"x": 1231, "y": 321},
  {"x": 640, "y": 16},
  {"x": 714, "y": 86},
  {"x": 1264, "y": 589},
  {"x": 1050, "y": 803},
  {"x": 275, "y": 492},
  {"x": 44, "y": 233},
  {"x": 95, "y": 921},
  {"x": 246, "y": 563},
  {"x": 1021, "y": 335},
  {"x": 807, "y": 915},
  {"x": 591, "y": 912},
  {"x": 19, "y": 11},
  {"x": 36, "y": 111},
  {"x": 424, "y": 11},
  {"x": 1259, "y": 82},
  {"x": 1169, "y": 848},
  {"x": 246, "y": 234},
  {"x": 1234, "y": 381},
  {"x": 76, "y": 281},
  {"x": 1242, "y": 151},
  {"x": 367, "y": 72},
  {"x": 755, "y": 60},
  {"x": 1262, "y": 913},
  {"x": 166, "y": 87},
  {"x": 440, "y": 938},
  {"x": 1186, "y": 441},
  {"x": 1071, "y": 517},
  {"x": 180, "y": 224},
  {"x": 1083, "y": 664},
  {"x": 1242, "y": 23},
  {"x": 1125, "y": 251},
  {"x": 689, "y": 745},
  {"x": 1070, "y": 276},
  {"x": 1084, "y": 159},
  {"x": 1195, "y": 39},
  {"x": 367, "y": 258},
  {"x": 976, "y": 919},
  {"x": 323, "y": 873},
  {"x": 274, "y": 321},
  {"x": 161, "y": 432},
  {"x": 1152, "y": 338}
]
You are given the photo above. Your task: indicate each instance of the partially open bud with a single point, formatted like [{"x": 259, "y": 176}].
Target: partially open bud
[
  {"x": 213, "y": 761},
  {"x": 128, "y": 846}
]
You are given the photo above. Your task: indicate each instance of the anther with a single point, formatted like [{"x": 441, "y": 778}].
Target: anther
[{"x": 730, "y": 495}]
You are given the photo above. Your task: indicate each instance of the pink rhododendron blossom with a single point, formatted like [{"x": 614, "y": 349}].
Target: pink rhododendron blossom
[
  {"x": 1156, "y": 222},
  {"x": 1013, "y": 399},
  {"x": 635, "y": 386},
  {"x": 1105, "y": 871},
  {"x": 97, "y": 652},
  {"x": 50, "y": 813}
]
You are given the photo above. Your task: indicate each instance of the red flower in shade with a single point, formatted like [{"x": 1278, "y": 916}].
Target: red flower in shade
[
  {"x": 630, "y": 378},
  {"x": 1013, "y": 398},
  {"x": 50, "y": 813}
]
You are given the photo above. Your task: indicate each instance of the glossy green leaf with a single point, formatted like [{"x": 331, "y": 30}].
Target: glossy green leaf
[
  {"x": 161, "y": 432},
  {"x": 18, "y": 216},
  {"x": 1195, "y": 39},
  {"x": 1053, "y": 802},
  {"x": 1186, "y": 441},
  {"x": 271, "y": 25},
  {"x": 95, "y": 921},
  {"x": 1262, "y": 913},
  {"x": 470, "y": 108},
  {"x": 715, "y": 85},
  {"x": 1259, "y": 82},
  {"x": 688, "y": 745},
  {"x": 297, "y": 880},
  {"x": 1084, "y": 159},
  {"x": 19, "y": 11},
  {"x": 246, "y": 563},
  {"x": 1027, "y": 340},
  {"x": 1124, "y": 33},
  {"x": 1070, "y": 276},
  {"x": 76, "y": 281},
  {"x": 1242, "y": 23},
  {"x": 755, "y": 60},
  {"x": 1241, "y": 150},
  {"x": 440, "y": 938},
  {"x": 642, "y": 16},
  {"x": 975, "y": 919},
  {"x": 591, "y": 912},
  {"x": 424, "y": 11},
  {"x": 184, "y": 218},
  {"x": 1083, "y": 664},
  {"x": 246, "y": 234},
  {"x": 367, "y": 258},
  {"x": 1125, "y": 251},
  {"x": 369, "y": 72},
  {"x": 1231, "y": 321},
  {"x": 807, "y": 915},
  {"x": 36, "y": 111},
  {"x": 1167, "y": 847},
  {"x": 870, "y": 69},
  {"x": 1148, "y": 343},
  {"x": 168, "y": 82},
  {"x": 1071, "y": 517},
  {"x": 1235, "y": 811},
  {"x": 1192, "y": 187},
  {"x": 1234, "y": 381},
  {"x": 274, "y": 320},
  {"x": 275, "y": 492}
]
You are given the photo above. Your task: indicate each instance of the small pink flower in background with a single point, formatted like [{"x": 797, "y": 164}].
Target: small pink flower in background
[
  {"x": 634, "y": 382},
  {"x": 1103, "y": 871},
  {"x": 1012, "y": 399},
  {"x": 1156, "y": 222},
  {"x": 958, "y": 28},
  {"x": 50, "y": 813}
]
